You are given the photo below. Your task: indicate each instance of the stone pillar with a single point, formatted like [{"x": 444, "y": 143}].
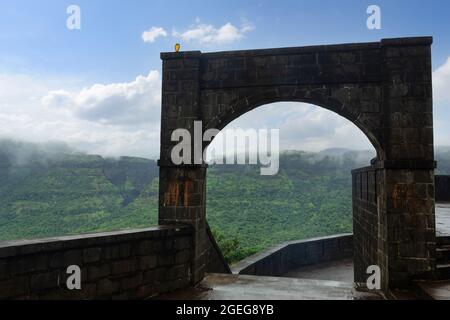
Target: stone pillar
[
  {"x": 406, "y": 203},
  {"x": 182, "y": 187}
]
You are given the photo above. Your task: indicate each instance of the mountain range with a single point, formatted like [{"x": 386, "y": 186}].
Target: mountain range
[{"x": 52, "y": 190}]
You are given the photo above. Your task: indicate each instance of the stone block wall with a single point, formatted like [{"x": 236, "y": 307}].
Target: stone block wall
[
  {"x": 288, "y": 256},
  {"x": 401, "y": 226},
  {"x": 406, "y": 213},
  {"x": 118, "y": 265},
  {"x": 182, "y": 201},
  {"x": 410, "y": 226},
  {"x": 345, "y": 79},
  {"x": 365, "y": 189}
]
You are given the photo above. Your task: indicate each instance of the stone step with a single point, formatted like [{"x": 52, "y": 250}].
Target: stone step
[
  {"x": 442, "y": 272},
  {"x": 443, "y": 240},
  {"x": 434, "y": 290},
  {"x": 443, "y": 254},
  {"x": 410, "y": 294}
]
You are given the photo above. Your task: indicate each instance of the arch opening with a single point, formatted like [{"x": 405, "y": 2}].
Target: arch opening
[
  {"x": 241, "y": 107},
  {"x": 310, "y": 196}
]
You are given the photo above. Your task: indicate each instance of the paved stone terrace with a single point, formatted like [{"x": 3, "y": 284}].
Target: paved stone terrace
[
  {"x": 443, "y": 219},
  {"x": 337, "y": 270},
  {"x": 439, "y": 290},
  {"x": 243, "y": 287}
]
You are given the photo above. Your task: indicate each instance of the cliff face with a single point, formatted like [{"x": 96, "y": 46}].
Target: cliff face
[{"x": 130, "y": 175}]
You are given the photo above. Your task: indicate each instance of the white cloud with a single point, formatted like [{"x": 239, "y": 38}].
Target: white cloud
[
  {"x": 304, "y": 127},
  {"x": 441, "y": 83},
  {"x": 117, "y": 103},
  {"x": 153, "y": 33},
  {"x": 441, "y": 98},
  {"x": 124, "y": 118},
  {"x": 207, "y": 34},
  {"x": 113, "y": 119}
]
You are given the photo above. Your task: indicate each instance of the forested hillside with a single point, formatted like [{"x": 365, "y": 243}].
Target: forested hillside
[
  {"x": 57, "y": 193},
  {"x": 309, "y": 197},
  {"x": 51, "y": 190}
]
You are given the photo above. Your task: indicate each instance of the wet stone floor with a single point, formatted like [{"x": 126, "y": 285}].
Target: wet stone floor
[{"x": 243, "y": 287}]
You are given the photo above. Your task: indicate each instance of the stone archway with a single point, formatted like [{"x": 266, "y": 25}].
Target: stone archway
[{"x": 384, "y": 88}]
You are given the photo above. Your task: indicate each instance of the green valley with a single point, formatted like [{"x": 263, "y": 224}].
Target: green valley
[{"x": 56, "y": 191}]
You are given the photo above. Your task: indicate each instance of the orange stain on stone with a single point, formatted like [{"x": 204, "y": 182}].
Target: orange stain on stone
[
  {"x": 395, "y": 197},
  {"x": 187, "y": 190},
  {"x": 172, "y": 194}
]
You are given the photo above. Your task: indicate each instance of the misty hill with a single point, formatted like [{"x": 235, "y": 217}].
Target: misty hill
[
  {"x": 56, "y": 193},
  {"x": 50, "y": 190}
]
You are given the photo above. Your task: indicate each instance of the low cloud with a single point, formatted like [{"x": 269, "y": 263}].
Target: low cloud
[
  {"x": 108, "y": 119},
  {"x": 124, "y": 118},
  {"x": 304, "y": 127},
  {"x": 153, "y": 33},
  {"x": 441, "y": 99},
  {"x": 441, "y": 83},
  {"x": 117, "y": 103},
  {"x": 208, "y": 34}
]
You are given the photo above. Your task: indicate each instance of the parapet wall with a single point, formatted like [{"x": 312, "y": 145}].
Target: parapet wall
[
  {"x": 281, "y": 259},
  {"x": 132, "y": 264}
]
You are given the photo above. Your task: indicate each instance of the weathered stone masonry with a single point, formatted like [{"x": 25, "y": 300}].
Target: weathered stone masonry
[
  {"x": 118, "y": 265},
  {"x": 366, "y": 185},
  {"x": 384, "y": 88}
]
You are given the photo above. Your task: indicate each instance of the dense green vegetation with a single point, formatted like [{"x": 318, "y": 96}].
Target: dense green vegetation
[
  {"x": 49, "y": 194},
  {"x": 310, "y": 196},
  {"x": 52, "y": 190}
]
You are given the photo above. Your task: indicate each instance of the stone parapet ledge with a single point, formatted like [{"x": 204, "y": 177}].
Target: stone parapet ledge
[
  {"x": 24, "y": 247},
  {"x": 128, "y": 264},
  {"x": 412, "y": 41},
  {"x": 290, "y": 255}
]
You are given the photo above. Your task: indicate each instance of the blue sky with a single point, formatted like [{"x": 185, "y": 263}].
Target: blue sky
[
  {"x": 109, "y": 45},
  {"x": 42, "y": 63}
]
